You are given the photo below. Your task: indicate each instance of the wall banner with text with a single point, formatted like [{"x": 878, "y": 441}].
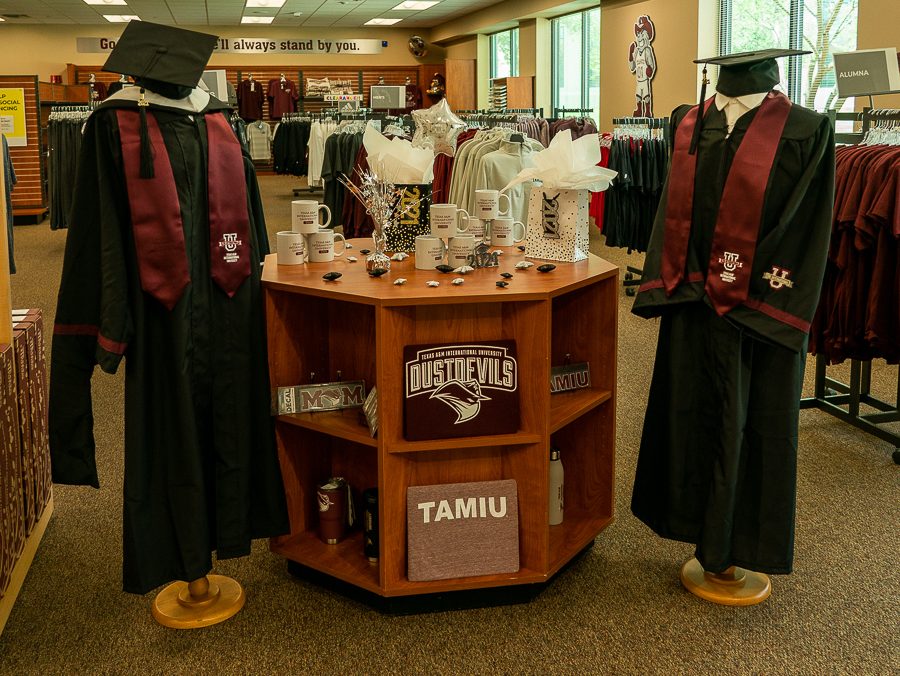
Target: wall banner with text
[
  {"x": 12, "y": 116},
  {"x": 261, "y": 46}
]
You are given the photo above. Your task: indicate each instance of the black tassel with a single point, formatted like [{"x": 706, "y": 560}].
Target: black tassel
[
  {"x": 146, "y": 147},
  {"x": 698, "y": 126}
]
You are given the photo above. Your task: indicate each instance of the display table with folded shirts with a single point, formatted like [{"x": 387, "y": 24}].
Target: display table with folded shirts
[{"x": 356, "y": 328}]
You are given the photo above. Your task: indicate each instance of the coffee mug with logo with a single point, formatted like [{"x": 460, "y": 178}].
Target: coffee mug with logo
[
  {"x": 291, "y": 248},
  {"x": 487, "y": 204},
  {"x": 459, "y": 249},
  {"x": 475, "y": 227},
  {"x": 305, "y": 216},
  {"x": 503, "y": 231},
  {"x": 321, "y": 245},
  {"x": 429, "y": 252},
  {"x": 447, "y": 220}
]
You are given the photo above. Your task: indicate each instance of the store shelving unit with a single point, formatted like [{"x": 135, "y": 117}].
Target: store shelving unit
[{"x": 358, "y": 326}]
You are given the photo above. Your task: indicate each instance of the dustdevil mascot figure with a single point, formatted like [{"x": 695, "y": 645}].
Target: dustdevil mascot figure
[
  {"x": 162, "y": 268},
  {"x": 642, "y": 62},
  {"x": 733, "y": 269}
]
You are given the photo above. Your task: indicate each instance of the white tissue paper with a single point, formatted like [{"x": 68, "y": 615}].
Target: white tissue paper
[
  {"x": 395, "y": 160},
  {"x": 567, "y": 165}
]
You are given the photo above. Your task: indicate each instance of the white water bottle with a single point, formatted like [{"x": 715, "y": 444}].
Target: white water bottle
[{"x": 556, "y": 488}]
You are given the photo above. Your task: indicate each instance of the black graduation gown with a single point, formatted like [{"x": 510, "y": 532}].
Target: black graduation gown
[
  {"x": 717, "y": 464},
  {"x": 201, "y": 469}
]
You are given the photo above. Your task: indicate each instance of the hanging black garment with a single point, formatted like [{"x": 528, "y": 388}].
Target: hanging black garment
[
  {"x": 717, "y": 463},
  {"x": 201, "y": 470},
  {"x": 65, "y": 144}
]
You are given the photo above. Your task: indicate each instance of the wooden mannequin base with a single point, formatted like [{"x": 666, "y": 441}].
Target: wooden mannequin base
[
  {"x": 734, "y": 587},
  {"x": 201, "y": 603}
]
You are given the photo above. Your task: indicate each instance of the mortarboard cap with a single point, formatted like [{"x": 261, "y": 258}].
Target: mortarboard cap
[
  {"x": 151, "y": 51},
  {"x": 740, "y": 74}
]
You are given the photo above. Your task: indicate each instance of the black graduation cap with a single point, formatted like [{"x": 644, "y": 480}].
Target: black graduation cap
[
  {"x": 164, "y": 59},
  {"x": 740, "y": 74},
  {"x": 151, "y": 51}
]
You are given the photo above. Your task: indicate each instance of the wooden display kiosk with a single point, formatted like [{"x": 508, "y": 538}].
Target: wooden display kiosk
[{"x": 356, "y": 329}]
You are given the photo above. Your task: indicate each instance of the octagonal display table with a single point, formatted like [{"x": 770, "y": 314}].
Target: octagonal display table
[{"x": 356, "y": 328}]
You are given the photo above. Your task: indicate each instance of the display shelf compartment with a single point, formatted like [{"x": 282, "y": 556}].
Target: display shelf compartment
[
  {"x": 567, "y": 407},
  {"x": 519, "y": 438},
  {"x": 576, "y": 531},
  {"x": 344, "y": 560},
  {"x": 341, "y": 424}
]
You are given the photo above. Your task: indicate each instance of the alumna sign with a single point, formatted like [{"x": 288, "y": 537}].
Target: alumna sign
[
  {"x": 866, "y": 72},
  {"x": 262, "y": 46},
  {"x": 12, "y": 116}
]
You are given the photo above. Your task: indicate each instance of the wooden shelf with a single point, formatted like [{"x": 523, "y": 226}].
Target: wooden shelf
[
  {"x": 566, "y": 407},
  {"x": 344, "y": 560},
  {"x": 576, "y": 531},
  {"x": 361, "y": 324},
  {"x": 342, "y": 424},
  {"x": 487, "y": 441}
]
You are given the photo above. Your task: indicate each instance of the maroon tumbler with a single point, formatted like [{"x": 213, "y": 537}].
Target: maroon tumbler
[{"x": 335, "y": 509}]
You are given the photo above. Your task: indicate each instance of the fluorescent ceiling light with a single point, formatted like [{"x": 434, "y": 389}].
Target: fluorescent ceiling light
[
  {"x": 381, "y": 22},
  {"x": 265, "y": 3},
  {"x": 257, "y": 19},
  {"x": 416, "y": 5},
  {"x": 105, "y": 2},
  {"x": 121, "y": 18}
]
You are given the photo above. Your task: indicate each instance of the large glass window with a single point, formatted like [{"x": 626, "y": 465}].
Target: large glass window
[
  {"x": 505, "y": 53},
  {"x": 576, "y": 61},
  {"x": 820, "y": 26}
]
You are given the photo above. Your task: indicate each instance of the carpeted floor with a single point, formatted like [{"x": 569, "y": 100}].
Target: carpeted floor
[{"x": 620, "y": 609}]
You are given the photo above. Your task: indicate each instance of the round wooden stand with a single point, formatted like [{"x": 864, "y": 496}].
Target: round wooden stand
[
  {"x": 734, "y": 587},
  {"x": 201, "y": 603}
]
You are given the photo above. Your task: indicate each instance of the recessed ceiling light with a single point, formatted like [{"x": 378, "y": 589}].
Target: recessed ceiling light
[
  {"x": 121, "y": 18},
  {"x": 416, "y": 5},
  {"x": 257, "y": 19},
  {"x": 381, "y": 22},
  {"x": 265, "y": 3},
  {"x": 2, "y": 19},
  {"x": 105, "y": 2},
  {"x": 298, "y": 13}
]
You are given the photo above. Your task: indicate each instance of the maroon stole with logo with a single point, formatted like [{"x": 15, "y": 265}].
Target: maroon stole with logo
[
  {"x": 156, "y": 210},
  {"x": 740, "y": 211}
]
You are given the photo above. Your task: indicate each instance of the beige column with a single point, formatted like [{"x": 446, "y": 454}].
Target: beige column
[{"x": 535, "y": 59}]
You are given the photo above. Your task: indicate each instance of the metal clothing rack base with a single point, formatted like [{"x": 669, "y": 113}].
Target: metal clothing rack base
[
  {"x": 634, "y": 277},
  {"x": 831, "y": 396}
]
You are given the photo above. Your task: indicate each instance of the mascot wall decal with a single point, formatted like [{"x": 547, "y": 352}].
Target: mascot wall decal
[{"x": 642, "y": 62}]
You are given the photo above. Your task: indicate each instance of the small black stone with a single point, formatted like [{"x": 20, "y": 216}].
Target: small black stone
[
  {"x": 546, "y": 267},
  {"x": 365, "y": 251},
  {"x": 444, "y": 268},
  {"x": 331, "y": 276},
  {"x": 506, "y": 275},
  {"x": 502, "y": 285},
  {"x": 377, "y": 272},
  {"x": 521, "y": 248}
]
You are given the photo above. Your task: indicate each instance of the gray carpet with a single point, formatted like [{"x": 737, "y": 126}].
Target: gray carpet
[{"x": 620, "y": 609}]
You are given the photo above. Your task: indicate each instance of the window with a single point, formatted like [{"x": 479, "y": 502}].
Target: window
[
  {"x": 822, "y": 27},
  {"x": 576, "y": 61},
  {"x": 505, "y": 53}
]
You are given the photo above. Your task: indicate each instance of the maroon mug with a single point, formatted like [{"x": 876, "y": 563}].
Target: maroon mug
[{"x": 335, "y": 509}]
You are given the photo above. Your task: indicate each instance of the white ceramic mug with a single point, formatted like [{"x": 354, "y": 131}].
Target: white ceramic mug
[
  {"x": 475, "y": 226},
  {"x": 429, "y": 252},
  {"x": 291, "y": 247},
  {"x": 305, "y": 216},
  {"x": 446, "y": 221},
  {"x": 503, "y": 231},
  {"x": 321, "y": 245},
  {"x": 487, "y": 204},
  {"x": 459, "y": 249}
]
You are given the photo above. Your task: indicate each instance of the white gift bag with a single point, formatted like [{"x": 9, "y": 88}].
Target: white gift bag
[{"x": 558, "y": 225}]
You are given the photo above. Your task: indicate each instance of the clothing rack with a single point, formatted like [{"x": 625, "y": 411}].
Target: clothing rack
[
  {"x": 831, "y": 395},
  {"x": 561, "y": 112}
]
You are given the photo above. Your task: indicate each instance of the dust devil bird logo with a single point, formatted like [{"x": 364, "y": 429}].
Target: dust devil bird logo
[
  {"x": 464, "y": 398},
  {"x": 550, "y": 216}
]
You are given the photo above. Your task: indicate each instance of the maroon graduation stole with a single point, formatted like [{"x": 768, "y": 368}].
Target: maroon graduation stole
[
  {"x": 156, "y": 210},
  {"x": 740, "y": 210}
]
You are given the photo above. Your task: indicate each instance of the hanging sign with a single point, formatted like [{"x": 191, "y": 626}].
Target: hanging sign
[
  {"x": 866, "y": 72},
  {"x": 261, "y": 46},
  {"x": 12, "y": 116}
]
